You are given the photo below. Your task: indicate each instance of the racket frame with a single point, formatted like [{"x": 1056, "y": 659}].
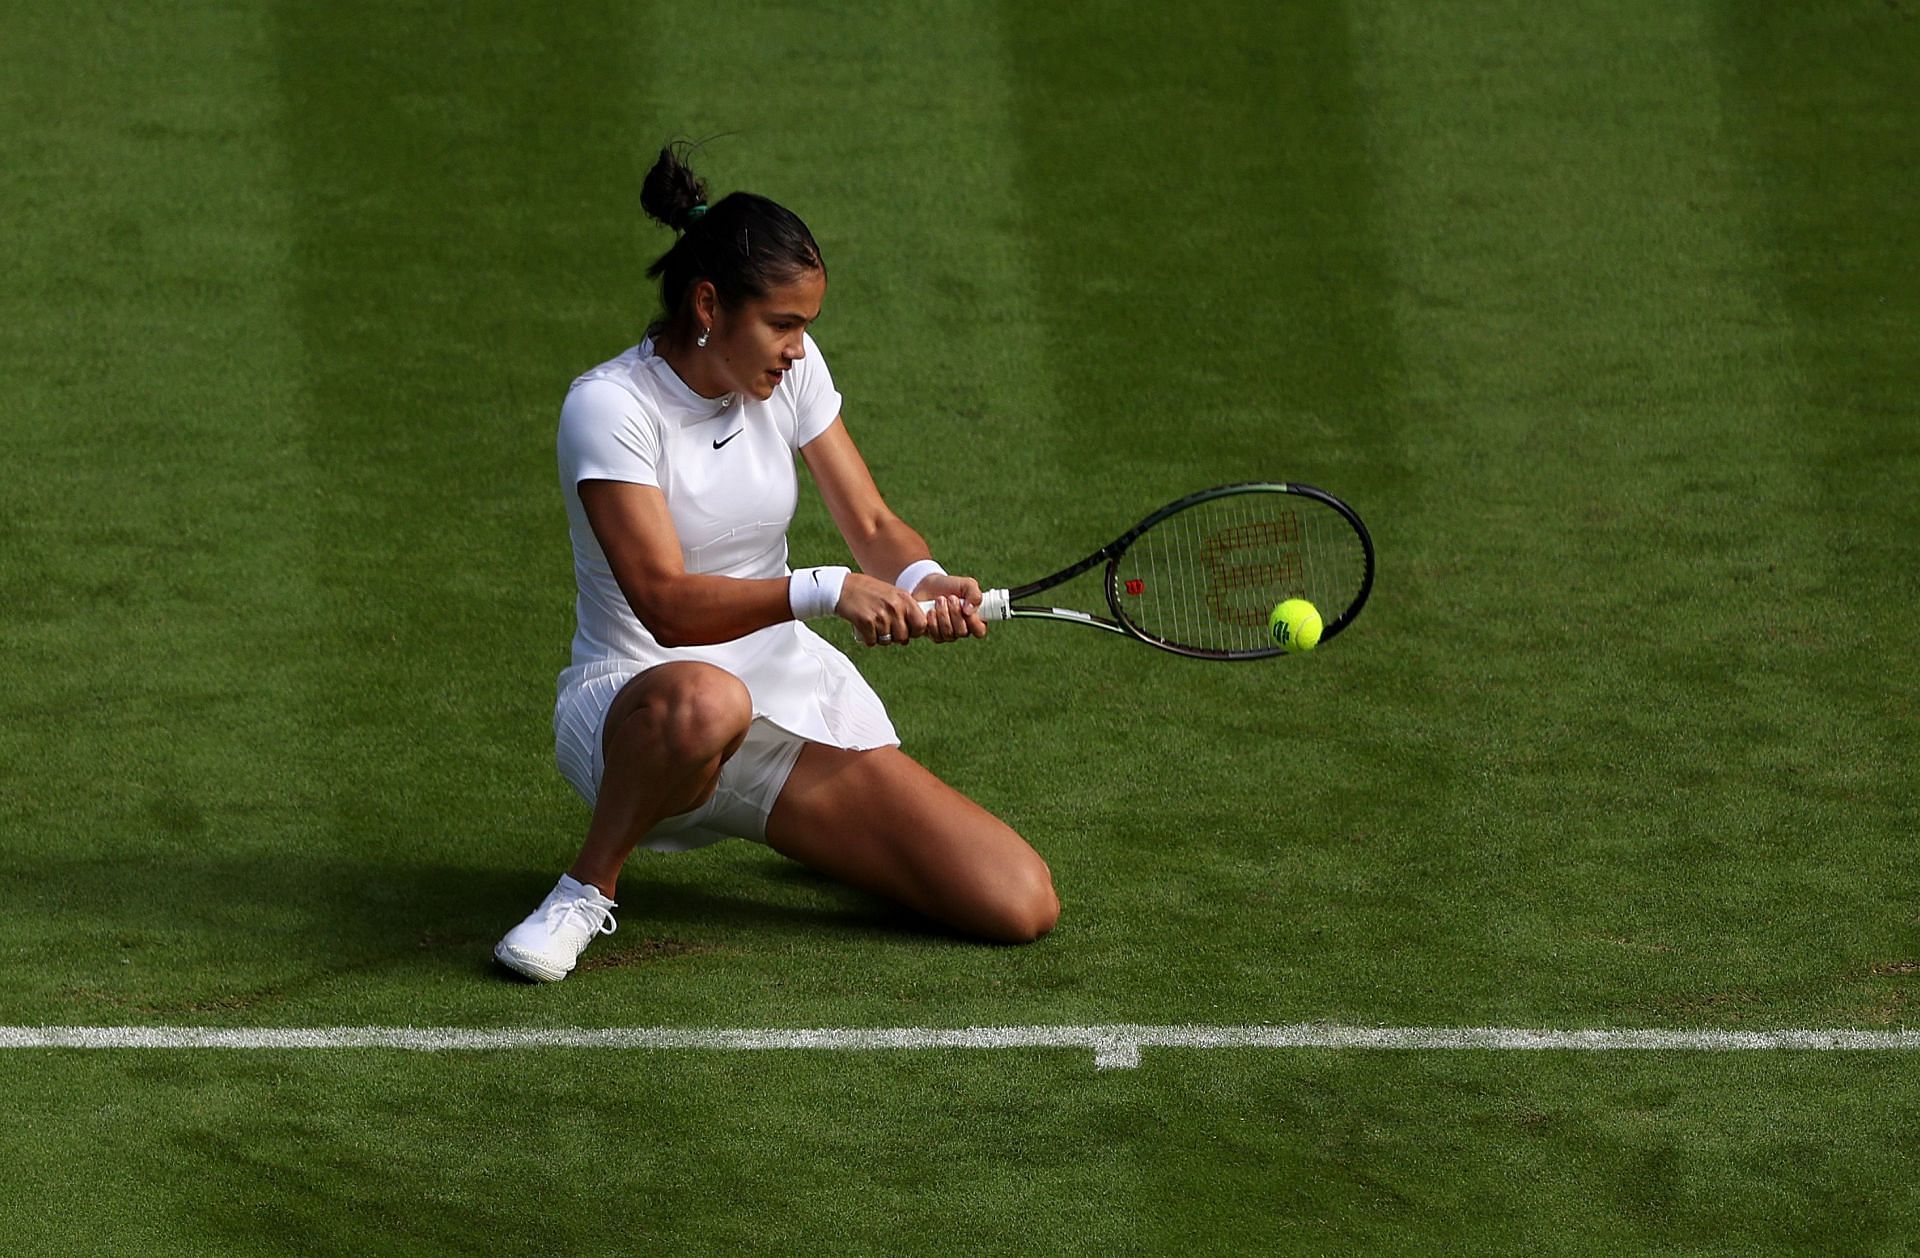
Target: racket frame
[{"x": 1005, "y": 604}]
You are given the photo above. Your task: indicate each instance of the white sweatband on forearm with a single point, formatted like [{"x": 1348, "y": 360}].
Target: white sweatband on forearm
[
  {"x": 815, "y": 591},
  {"x": 914, "y": 573}
]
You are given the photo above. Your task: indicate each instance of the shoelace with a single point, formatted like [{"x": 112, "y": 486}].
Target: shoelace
[{"x": 559, "y": 911}]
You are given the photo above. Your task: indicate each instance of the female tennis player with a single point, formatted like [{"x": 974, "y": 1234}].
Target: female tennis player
[{"x": 698, "y": 706}]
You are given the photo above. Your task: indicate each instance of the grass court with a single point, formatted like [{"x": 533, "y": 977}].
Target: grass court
[{"x": 1602, "y": 315}]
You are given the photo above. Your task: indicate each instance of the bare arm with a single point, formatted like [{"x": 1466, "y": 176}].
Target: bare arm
[
  {"x": 679, "y": 608},
  {"x": 882, "y": 543}
]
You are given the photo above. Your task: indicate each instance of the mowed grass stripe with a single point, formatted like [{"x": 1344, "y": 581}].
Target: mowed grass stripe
[
  {"x": 1200, "y": 190},
  {"x": 155, "y": 514},
  {"x": 456, "y": 264},
  {"x": 1619, "y": 546},
  {"x": 1202, "y": 195},
  {"x": 1819, "y": 106}
]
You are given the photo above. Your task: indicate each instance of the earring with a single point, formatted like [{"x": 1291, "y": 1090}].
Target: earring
[{"x": 701, "y": 340}]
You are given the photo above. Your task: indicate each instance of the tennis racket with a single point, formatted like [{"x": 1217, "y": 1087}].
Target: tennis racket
[{"x": 1199, "y": 576}]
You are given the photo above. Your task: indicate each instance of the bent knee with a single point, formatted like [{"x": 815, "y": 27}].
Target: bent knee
[
  {"x": 711, "y": 717},
  {"x": 1027, "y": 906},
  {"x": 694, "y": 715}
]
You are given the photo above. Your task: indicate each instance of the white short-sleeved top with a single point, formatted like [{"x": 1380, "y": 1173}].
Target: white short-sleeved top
[{"x": 726, "y": 468}]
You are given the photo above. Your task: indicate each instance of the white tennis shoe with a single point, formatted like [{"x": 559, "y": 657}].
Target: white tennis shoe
[{"x": 546, "y": 945}]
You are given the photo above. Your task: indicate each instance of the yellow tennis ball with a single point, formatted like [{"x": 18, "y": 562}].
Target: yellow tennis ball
[{"x": 1295, "y": 625}]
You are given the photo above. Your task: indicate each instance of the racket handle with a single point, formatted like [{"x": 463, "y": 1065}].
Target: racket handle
[{"x": 993, "y": 605}]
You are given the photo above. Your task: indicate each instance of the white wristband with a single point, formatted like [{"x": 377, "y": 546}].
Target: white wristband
[
  {"x": 815, "y": 591},
  {"x": 914, "y": 573}
]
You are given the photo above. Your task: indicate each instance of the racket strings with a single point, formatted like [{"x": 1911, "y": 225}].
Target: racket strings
[
  {"x": 1258, "y": 556},
  {"x": 1207, "y": 577}
]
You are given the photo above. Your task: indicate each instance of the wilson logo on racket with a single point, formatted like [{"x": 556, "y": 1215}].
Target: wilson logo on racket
[{"x": 1136, "y": 587}]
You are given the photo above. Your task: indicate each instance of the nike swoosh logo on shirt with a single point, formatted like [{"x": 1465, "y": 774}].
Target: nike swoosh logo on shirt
[{"x": 729, "y": 437}]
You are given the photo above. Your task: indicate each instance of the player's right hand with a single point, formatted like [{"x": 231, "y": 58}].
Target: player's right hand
[{"x": 879, "y": 613}]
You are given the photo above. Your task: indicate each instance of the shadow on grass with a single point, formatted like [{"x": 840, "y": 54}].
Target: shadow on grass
[{"x": 211, "y": 934}]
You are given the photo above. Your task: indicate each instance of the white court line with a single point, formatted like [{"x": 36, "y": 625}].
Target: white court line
[{"x": 1115, "y": 1046}]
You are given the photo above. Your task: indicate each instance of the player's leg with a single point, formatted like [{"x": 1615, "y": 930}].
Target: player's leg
[
  {"x": 667, "y": 734},
  {"x": 879, "y": 821},
  {"x": 664, "y": 738}
]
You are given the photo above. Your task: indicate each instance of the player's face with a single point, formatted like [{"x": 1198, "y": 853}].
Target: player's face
[{"x": 761, "y": 340}]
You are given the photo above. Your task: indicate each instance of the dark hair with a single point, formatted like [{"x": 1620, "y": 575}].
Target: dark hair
[{"x": 745, "y": 245}]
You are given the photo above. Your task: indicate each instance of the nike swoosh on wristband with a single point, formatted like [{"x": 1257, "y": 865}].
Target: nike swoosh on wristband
[{"x": 729, "y": 437}]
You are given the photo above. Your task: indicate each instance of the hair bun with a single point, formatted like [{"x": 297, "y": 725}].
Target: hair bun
[{"x": 672, "y": 195}]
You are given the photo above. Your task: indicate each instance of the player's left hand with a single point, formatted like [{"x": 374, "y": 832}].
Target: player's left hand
[{"x": 956, "y": 607}]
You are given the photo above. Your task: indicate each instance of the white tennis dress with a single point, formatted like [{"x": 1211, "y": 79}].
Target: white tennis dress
[{"x": 726, "y": 467}]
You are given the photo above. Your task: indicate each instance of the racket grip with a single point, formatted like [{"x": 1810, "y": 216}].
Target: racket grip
[{"x": 993, "y": 605}]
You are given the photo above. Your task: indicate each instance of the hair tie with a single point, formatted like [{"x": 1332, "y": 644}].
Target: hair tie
[{"x": 696, "y": 212}]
